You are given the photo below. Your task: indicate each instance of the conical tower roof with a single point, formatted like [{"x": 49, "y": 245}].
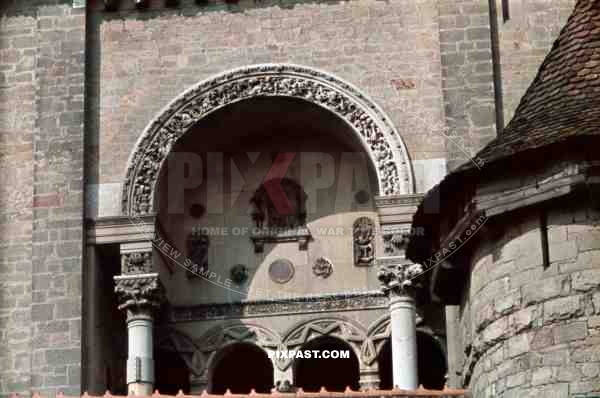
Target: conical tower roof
[
  {"x": 562, "y": 105},
  {"x": 564, "y": 99}
]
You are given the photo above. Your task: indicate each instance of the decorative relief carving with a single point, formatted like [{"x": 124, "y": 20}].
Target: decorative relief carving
[
  {"x": 394, "y": 244},
  {"x": 239, "y": 273},
  {"x": 398, "y": 200},
  {"x": 136, "y": 262},
  {"x": 199, "y": 354},
  {"x": 279, "y": 219},
  {"x": 322, "y": 267},
  {"x": 279, "y": 214},
  {"x": 198, "y": 244},
  {"x": 377, "y": 334},
  {"x": 223, "y": 335},
  {"x": 139, "y": 294},
  {"x": 363, "y": 232},
  {"x": 371, "y": 125},
  {"x": 324, "y": 303},
  {"x": 399, "y": 278},
  {"x": 341, "y": 328}
]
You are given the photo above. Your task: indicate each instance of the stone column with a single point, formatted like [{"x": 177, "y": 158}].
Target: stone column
[
  {"x": 397, "y": 279},
  {"x": 198, "y": 384},
  {"x": 369, "y": 378},
  {"x": 453, "y": 346},
  {"x": 283, "y": 379},
  {"x": 140, "y": 294}
]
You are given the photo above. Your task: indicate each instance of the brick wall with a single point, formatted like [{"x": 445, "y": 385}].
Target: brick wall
[
  {"x": 17, "y": 126},
  {"x": 531, "y": 331},
  {"x": 41, "y": 125},
  {"x": 467, "y": 77}
]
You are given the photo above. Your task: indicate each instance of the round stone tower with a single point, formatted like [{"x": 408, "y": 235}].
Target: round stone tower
[{"x": 512, "y": 238}]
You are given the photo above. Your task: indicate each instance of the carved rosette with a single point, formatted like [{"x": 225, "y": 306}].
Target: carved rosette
[
  {"x": 399, "y": 279},
  {"x": 384, "y": 145},
  {"x": 139, "y": 294},
  {"x": 136, "y": 263},
  {"x": 322, "y": 267}
]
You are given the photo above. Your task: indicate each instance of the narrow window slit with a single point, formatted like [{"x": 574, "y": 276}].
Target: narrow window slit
[
  {"x": 544, "y": 239},
  {"x": 505, "y": 10}
]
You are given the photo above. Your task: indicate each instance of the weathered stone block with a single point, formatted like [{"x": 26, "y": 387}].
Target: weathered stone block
[
  {"x": 563, "y": 251},
  {"x": 542, "y": 376},
  {"x": 563, "y": 308},
  {"x": 62, "y": 357},
  {"x": 545, "y": 289},
  {"x": 570, "y": 331},
  {"x": 585, "y": 280},
  {"x": 518, "y": 345},
  {"x": 42, "y": 312}
]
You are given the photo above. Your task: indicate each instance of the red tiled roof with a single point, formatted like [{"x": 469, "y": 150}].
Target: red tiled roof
[
  {"x": 561, "y": 105},
  {"x": 564, "y": 98}
]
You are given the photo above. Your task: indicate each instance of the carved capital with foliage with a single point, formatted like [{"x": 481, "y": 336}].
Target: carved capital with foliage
[
  {"x": 139, "y": 294},
  {"x": 398, "y": 278}
]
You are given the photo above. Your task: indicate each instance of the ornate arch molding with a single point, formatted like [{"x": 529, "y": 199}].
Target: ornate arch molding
[
  {"x": 341, "y": 328},
  {"x": 216, "y": 339},
  {"x": 381, "y": 329},
  {"x": 377, "y": 334},
  {"x": 379, "y": 138},
  {"x": 200, "y": 354}
]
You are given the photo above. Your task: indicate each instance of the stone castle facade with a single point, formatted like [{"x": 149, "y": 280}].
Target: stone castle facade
[{"x": 122, "y": 271}]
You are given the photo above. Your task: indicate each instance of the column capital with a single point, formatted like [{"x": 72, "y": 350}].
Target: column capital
[
  {"x": 397, "y": 276},
  {"x": 139, "y": 294}
]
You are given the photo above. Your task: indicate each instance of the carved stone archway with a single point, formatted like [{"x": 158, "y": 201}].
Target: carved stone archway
[
  {"x": 305, "y": 331},
  {"x": 221, "y": 336},
  {"x": 376, "y": 132},
  {"x": 201, "y": 354}
]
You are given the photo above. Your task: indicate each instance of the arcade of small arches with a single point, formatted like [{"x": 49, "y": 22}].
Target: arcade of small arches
[
  {"x": 235, "y": 357},
  {"x": 394, "y": 351}
]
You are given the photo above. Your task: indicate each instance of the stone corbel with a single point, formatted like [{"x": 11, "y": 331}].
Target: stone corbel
[{"x": 299, "y": 234}]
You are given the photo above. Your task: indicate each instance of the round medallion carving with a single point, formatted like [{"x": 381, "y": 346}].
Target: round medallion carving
[
  {"x": 239, "y": 273},
  {"x": 281, "y": 271},
  {"x": 323, "y": 267}
]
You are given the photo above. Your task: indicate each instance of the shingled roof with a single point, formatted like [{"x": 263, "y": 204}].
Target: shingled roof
[
  {"x": 561, "y": 105},
  {"x": 564, "y": 98}
]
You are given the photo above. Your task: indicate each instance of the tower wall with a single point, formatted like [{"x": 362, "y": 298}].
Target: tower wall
[
  {"x": 42, "y": 45},
  {"x": 530, "y": 330}
]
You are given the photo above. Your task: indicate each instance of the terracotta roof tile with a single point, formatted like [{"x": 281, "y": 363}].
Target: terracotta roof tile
[
  {"x": 564, "y": 99},
  {"x": 562, "y": 105}
]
